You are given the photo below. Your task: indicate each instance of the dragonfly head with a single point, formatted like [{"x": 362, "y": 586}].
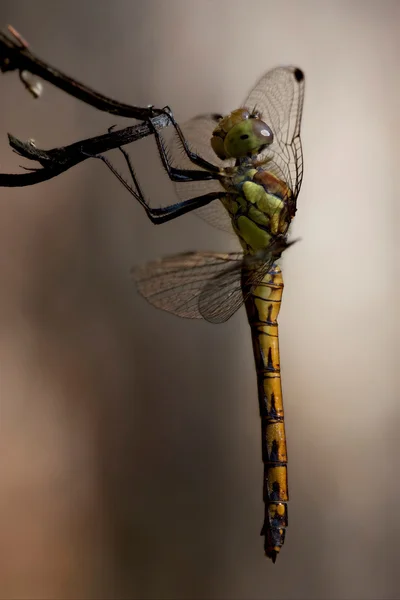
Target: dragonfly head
[{"x": 241, "y": 133}]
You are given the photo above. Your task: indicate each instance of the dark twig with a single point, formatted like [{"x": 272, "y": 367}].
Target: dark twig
[
  {"x": 58, "y": 160},
  {"x": 15, "y": 55}
]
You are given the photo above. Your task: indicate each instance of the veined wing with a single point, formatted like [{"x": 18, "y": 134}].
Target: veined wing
[
  {"x": 279, "y": 97},
  {"x": 198, "y": 132},
  {"x": 204, "y": 285}
]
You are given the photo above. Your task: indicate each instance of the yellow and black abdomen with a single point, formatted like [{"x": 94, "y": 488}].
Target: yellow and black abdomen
[{"x": 262, "y": 307}]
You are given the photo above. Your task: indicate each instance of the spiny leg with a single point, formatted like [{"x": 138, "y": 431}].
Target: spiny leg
[
  {"x": 163, "y": 214},
  {"x": 192, "y": 156},
  {"x": 180, "y": 175}
]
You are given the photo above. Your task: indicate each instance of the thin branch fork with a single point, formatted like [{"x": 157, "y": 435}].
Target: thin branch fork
[
  {"x": 57, "y": 160},
  {"x": 15, "y": 55}
]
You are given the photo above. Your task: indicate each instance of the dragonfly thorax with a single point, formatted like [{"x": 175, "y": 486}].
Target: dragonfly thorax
[
  {"x": 258, "y": 203},
  {"x": 239, "y": 134}
]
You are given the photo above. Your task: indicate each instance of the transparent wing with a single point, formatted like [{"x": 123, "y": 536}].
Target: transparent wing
[
  {"x": 198, "y": 132},
  {"x": 279, "y": 96},
  {"x": 199, "y": 285}
]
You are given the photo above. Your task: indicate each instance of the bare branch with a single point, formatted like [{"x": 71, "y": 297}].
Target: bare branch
[
  {"x": 57, "y": 160},
  {"x": 15, "y": 55}
]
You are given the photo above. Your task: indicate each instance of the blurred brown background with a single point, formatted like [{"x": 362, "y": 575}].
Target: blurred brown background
[{"x": 130, "y": 440}]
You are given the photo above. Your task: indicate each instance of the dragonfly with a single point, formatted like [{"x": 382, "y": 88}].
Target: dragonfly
[{"x": 244, "y": 177}]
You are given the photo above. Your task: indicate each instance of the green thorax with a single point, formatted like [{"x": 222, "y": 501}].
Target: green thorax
[{"x": 258, "y": 204}]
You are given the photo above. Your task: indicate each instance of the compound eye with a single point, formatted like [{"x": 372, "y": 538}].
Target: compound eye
[{"x": 263, "y": 132}]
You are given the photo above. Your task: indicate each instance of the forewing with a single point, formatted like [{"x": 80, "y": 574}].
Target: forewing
[
  {"x": 198, "y": 132},
  {"x": 279, "y": 96}
]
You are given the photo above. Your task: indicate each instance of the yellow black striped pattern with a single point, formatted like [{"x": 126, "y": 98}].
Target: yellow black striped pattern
[{"x": 263, "y": 307}]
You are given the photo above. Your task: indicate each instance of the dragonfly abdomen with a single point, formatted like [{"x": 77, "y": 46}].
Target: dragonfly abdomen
[{"x": 262, "y": 307}]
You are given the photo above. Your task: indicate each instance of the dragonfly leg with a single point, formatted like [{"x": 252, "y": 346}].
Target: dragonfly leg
[
  {"x": 162, "y": 214},
  {"x": 180, "y": 175},
  {"x": 168, "y": 213},
  {"x": 174, "y": 174},
  {"x": 192, "y": 156}
]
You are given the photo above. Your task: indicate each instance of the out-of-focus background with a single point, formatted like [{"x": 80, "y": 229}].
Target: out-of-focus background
[{"x": 130, "y": 441}]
